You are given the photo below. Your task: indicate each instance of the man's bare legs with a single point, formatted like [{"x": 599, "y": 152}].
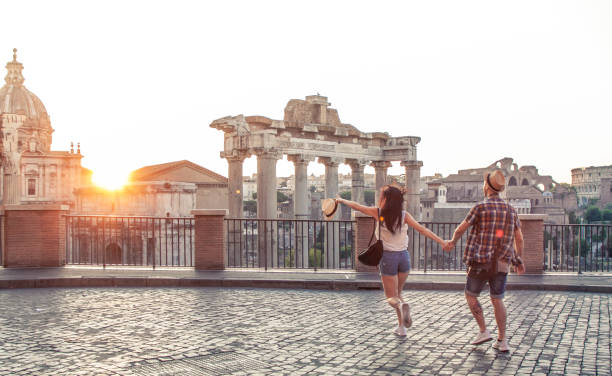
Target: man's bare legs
[
  {"x": 500, "y": 317},
  {"x": 476, "y": 310}
]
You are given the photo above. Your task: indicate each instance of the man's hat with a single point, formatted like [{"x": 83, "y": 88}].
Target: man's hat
[
  {"x": 495, "y": 180},
  {"x": 329, "y": 206}
]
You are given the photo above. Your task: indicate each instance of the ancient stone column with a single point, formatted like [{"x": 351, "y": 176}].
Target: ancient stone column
[
  {"x": 331, "y": 243},
  {"x": 301, "y": 208},
  {"x": 413, "y": 175},
  {"x": 331, "y": 177},
  {"x": 380, "y": 169},
  {"x": 300, "y": 196},
  {"x": 266, "y": 185},
  {"x": 267, "y": 208},
  {"x": 235, "y": 205},
  {"x": 358, "y": 183},
  {"x": 234, "y": 185}
]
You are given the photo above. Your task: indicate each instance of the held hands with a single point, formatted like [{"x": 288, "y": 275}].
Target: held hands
[{"x": 448, "y": 245}]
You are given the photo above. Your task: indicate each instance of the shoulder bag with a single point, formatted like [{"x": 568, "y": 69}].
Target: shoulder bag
[{"x": 372, "y": 255}]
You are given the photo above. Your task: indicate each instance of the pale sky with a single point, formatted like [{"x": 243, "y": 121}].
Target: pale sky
[{"x": 138, "y": 82}]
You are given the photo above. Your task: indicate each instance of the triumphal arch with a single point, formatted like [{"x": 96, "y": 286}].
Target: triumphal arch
[{"x": 311, "y": 130}]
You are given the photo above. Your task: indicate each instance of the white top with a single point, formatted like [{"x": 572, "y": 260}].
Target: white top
[{"x": 394, "y": 242}]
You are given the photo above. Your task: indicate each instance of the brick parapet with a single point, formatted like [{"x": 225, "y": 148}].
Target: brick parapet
[
  {"x": 34, "y": 235},
  {"x": 532, "y": 226},
  {"x": 363, "y": 231},
  {"x": 209, "y": 239}
]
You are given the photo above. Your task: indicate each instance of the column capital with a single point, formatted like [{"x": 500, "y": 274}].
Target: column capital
[
  {"x": 356, "y": 163},
  {"x": 235, "y": 156},
  {"x": 412, "y": 164},
  {"x": 329, "y": 161},
  {"x": 268, "y": 154},
  {"x": 380, "y": 164},
  {"x": 300, "y": 158}
]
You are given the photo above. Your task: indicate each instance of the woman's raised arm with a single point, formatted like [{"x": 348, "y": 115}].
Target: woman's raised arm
[{"x": 372, "y": 211}]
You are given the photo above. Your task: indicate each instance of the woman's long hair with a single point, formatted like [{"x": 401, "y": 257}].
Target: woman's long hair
[{"x": 391, "y": 213}]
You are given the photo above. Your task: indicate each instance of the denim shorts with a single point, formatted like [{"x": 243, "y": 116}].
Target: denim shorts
[
  {"x": 393, "y": 262},
  {"x": 497, "y": 286}
]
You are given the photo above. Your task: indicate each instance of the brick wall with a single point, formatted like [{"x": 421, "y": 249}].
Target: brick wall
[
  {"x": 209, "y": 239},
  {"x": 35, "y": 235},
  {"x": 363, "y": 231},
  {"x": 533, "y": 233}
]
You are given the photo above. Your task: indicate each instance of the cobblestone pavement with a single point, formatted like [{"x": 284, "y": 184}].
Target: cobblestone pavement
[{"x": 215, "y": 331}]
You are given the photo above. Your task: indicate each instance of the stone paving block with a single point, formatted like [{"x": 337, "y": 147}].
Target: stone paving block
[{"x": 295, "y": 331}]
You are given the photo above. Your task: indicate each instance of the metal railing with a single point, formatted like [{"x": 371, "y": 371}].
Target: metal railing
[
  {"x": 138, "y": 241},
  {"x": 577, "y": 248},
  {"x": 427, "y": 255},
  {"x": 298, "y": 244}
]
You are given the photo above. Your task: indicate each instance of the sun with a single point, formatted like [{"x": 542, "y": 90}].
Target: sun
[{"x": 111, "y": 180}]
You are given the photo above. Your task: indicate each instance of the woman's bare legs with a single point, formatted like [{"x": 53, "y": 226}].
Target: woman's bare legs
[{"x": 390, "y": 285}]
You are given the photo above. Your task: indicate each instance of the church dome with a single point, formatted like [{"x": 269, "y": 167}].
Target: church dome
[{"x": 16, "y": 99}]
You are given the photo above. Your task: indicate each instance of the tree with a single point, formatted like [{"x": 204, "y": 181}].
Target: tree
[
  {"x": 281, "y": 197},
  {"x": 313, "y": 189},
  {"x": 254, "y": 195},
  {"x": 368, "y": 197},
  {"x": 606, "y": 215},
  {"x": 346, "y": 195},
  {"x": 250, "y": 206},
  {"x": 593, "y": 214}
]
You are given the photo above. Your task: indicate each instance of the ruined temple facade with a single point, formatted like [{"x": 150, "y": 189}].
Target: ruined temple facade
[
  {"x": 31, "y": 173},
  {"x": 449, "y": 199},
  {"x": 309, "y": 131}
]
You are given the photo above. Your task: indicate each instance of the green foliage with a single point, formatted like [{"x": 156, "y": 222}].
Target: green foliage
[
  {"x": 606, "y": 215},
  {"x": 281, "y": 197},
  {"x": 254, "y": 195},
  {"x": 584, "y": 247},
  {"x": 368, "y": 197},
  {"x": 250, "y": 206},
  {"x": 346, "y": 195},
  {"x": 313, "y": 189},
  {"x": 592, "y": 214}
]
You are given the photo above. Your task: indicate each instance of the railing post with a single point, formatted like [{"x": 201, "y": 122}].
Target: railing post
[
  {"x": 532, "y": 226},
  {"x": 209, "y": 248},
  {"x": 363, "y": 230},
  {"x": 35, "y": 235}
]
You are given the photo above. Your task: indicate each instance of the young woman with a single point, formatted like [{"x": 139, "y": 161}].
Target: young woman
[{"x": 395, "y": 263}]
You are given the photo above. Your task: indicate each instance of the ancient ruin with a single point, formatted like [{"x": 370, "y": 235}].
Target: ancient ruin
[{"x": 311, "y": 130}]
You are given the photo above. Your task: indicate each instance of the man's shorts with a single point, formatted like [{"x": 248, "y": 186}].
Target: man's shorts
[
  {"x": 394, "y": 262},
  {"x": 497, "y": 286}
]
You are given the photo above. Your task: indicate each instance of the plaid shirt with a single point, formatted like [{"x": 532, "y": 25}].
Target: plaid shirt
[{"x": 487, "y": 220}]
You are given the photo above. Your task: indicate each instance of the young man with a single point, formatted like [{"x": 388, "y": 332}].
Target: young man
[{"x": 495, "y": 225}]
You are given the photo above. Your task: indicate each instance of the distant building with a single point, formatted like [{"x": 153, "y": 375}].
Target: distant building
[
  {"x": 589, "y": 184},
  {"x": 31, "y": 173},
  {"x": 164, "y": 190},
  {"x": 449, "y": 199}
]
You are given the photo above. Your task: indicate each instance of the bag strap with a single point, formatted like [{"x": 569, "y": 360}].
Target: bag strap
[{"x": 374, "y": 228}]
